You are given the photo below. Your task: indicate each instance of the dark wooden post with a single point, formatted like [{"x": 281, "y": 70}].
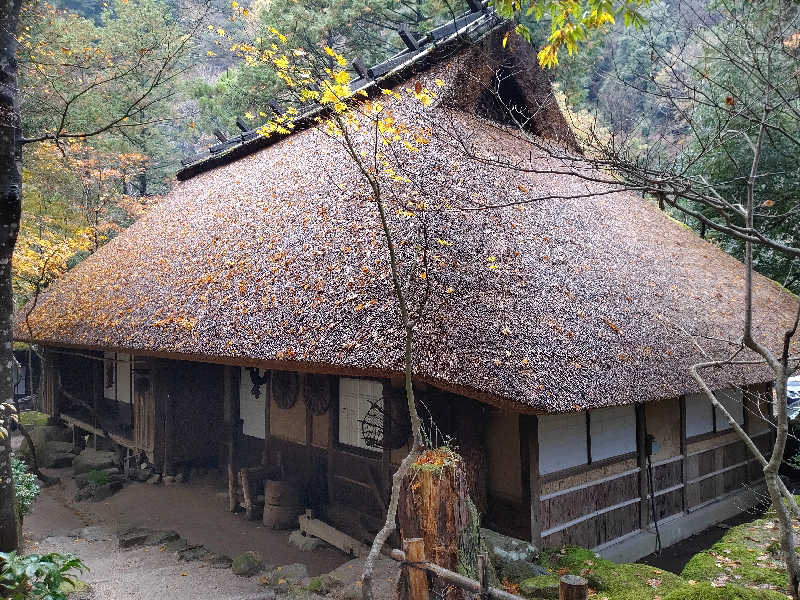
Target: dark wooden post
[
  {"x": 247, "y": 496},
  {"x": 417, "y": 577},
  {"x": 233, "y": 425},
  {"x": 267, "y": 404},
  {"x": 641, "y": 446},
  {"x": 684, "y": 478},
  {"x": 389, "y": 395},
  {"x": 98, "y": 385},
  {"x": 483, "y": 575},
  {"x": 531, "y": 484},
  {"x": 309, "y": 423},
  {"x": 433, "y": 506},
  {"x": 572, "y": 587},
  {"x": 169, "y": 432},
  {"x": 333, "y": 433}
]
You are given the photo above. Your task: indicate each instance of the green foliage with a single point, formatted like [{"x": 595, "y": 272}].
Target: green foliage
[
  {"x": 362, "y": 28},
  {"x": 26, "y": 484},
  {"x": 32, "y": 418},
  {"x": 571, "y": 23},
  {"x": 98, "y": 478},
  {"x": 38, "y": 576},
  {"x": 740, "y": 88},
  {"x": 542, "y": 586}
]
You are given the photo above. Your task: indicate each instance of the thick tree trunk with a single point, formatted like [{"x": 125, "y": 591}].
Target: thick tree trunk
[
  {"x": 433, "y": 506},
  {"x": 9, "y": 525},
  {"x": 10, "y": 213}
]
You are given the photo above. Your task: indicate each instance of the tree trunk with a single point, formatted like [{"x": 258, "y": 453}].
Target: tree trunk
[
  {"x": 9, "y": 526},
  {"x": 433, "y": 506},
  {"x": 10, "y": 213}
]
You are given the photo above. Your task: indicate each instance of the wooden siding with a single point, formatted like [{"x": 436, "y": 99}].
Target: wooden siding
[
  {"x": 190, "y": 402},
  {"x": 592, "y": 513},
  {"x": 717, "y": 471}
]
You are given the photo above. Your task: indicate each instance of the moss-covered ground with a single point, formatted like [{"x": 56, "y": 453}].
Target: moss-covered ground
[
  {"x": 32, "y": 417},
  {"x": 744, "y": 565}
]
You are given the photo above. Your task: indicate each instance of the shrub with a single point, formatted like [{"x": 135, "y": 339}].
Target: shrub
[
  {"x": 98, "y": 478},
  {"x": 32, "y": 417},
  {"x": 26, "y": 485},
  {"x": 38, "y": 576}
]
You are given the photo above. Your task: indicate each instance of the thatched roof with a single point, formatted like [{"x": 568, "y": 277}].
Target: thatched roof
[{"x": 277, "y": 259}]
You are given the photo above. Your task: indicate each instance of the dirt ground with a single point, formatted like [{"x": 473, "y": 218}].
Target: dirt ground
[{"x": 196, "y": 510}]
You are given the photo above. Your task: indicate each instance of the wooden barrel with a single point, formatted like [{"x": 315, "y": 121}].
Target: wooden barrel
[{"x": 281, "y": 493}]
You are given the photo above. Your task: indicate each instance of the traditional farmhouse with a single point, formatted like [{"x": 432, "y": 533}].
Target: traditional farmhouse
[{"x": 249, "y": 321}]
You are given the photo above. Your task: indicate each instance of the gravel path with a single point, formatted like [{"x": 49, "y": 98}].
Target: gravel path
[
  {"x": 146, "y": 573},
  {"x": 196, "y": 511}
]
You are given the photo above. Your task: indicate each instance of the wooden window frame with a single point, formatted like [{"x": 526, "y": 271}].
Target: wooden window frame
[
  {"x": 714, "y": 432},
  {"x": 579, "y": 469},
  {"x": 337, "y": 444},
  {"x": 590, "y": 464}
]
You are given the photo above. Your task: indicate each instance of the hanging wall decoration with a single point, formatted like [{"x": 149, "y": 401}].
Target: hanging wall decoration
[
  {"x": 284, "y": 389},
  {"x": 317, "y": 393},
  {"x": 372, "y": 430},
  {"x": 257, "y": 381}
]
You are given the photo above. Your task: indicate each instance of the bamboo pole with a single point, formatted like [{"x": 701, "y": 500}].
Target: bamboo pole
[{"x": 456, "y": 579}]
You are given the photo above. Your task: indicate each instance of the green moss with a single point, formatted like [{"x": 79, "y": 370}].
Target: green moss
[
  {"x": 544, "y": 586},
  {"x": 745, "y": 553},
  {"x": 315, "y": 585},
  {"x": 98, "y": 478},
  {"x": 706, "y": 591},
  {"x": 615, "y": 581},
  {"x": 32, "y": 417}
]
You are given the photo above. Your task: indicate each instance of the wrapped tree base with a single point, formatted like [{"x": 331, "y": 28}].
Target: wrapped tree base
[{"x": 434, "y": 506}]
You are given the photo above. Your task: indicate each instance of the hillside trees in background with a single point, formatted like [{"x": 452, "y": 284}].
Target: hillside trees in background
[
  {"x": 64, "y": 79},
  {"x": 362, "y": 29},
  {"x": 73, "y": 202}
]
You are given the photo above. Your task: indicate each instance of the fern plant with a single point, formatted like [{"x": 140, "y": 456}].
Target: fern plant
[{"x": 37, "y": 576}]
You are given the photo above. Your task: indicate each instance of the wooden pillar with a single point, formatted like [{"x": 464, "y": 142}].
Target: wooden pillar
[
  {"x": 684, "y": 478},
  {"x": 641, "y": 448},
  {"x": 98, "y": 389},
  {"x": 333, "y": 432},
  {"x": 267, "y": 405},
  {"x": 309, "y": 425},
  {"x": 389, "y": 394},
  {"x": 169, "y": 432},
  {"x": 233, "y": 424},
  {"x": 247, "y": 496},
  {"x": 531, "y": 483}
]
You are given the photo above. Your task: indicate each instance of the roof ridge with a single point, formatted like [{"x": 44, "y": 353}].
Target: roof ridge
[{"x": 469, "y": 28}]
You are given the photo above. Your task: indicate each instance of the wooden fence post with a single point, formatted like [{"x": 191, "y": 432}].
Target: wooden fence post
[
  {"x": 417, "y": 577},
  {"x": 572, "y": 587},
  {"x": 483, "y": 575}
]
